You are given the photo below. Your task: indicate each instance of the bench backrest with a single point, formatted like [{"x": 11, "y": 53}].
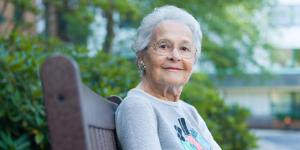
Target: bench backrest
[{"x": 78, "y": 118}]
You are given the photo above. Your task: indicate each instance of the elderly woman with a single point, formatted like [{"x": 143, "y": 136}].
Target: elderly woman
[{"x": 152, "y": 116}]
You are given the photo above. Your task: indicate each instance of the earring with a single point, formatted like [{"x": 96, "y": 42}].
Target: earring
[{"x": 142, "y": 66}]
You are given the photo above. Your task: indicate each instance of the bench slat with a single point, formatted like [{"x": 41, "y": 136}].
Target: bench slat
[{"x": 78, "y": 118}]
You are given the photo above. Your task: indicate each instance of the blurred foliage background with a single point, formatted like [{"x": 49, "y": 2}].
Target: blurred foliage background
[{"x": 230, "y": 35}]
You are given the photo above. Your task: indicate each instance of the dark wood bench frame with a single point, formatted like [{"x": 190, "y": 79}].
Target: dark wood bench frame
[{"x": 78, "y": 118}]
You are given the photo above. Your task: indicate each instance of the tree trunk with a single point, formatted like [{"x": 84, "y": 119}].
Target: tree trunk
[
  {"x": 107, "y": 45},
  {"x": 4, "y": 6},
  {"x": 51, "y": 20},
  {"x": 62, "y": 23}
]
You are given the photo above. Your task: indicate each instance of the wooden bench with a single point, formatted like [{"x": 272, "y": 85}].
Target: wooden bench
[{"x": 78, "y": 118}]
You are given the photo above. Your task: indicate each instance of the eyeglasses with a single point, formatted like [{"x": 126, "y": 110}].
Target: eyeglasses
[{"x": 165, "y": 47}]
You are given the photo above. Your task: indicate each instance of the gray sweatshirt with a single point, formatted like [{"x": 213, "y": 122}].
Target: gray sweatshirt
[{"x": 144, "y": 122}]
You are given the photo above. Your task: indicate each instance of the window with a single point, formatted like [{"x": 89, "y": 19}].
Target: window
[
  {"x": 281, "y": 102},
  {"x": 285, "y": 104},
  {"x": 295, "y": 105}
]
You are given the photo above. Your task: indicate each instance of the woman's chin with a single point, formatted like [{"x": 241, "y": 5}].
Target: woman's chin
[{"x": 174, "y": 82}]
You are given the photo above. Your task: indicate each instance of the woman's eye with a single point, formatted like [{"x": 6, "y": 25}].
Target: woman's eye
[
  {"x": 185, "y": 49},
  {"x": 163, "y": 46}
]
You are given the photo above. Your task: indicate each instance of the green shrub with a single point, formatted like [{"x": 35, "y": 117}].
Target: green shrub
[
  {"x": 22, "y": 116},
  {"x": 108, "y": 75},
  {"x": 22, "y": 120},
  {"x": 226, "y": 123},
  {"x": 8, "y": 143}
]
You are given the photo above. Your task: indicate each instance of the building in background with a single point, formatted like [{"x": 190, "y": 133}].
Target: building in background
[
  {"x": 270, "y": 98},
  {"x": 275, "y": 96}
]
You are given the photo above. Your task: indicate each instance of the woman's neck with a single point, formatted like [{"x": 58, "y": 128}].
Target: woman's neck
[{"x": 161, "y": 91}]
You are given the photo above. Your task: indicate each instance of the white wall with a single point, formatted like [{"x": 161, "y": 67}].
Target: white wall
[{"x": 256, "y": 100}]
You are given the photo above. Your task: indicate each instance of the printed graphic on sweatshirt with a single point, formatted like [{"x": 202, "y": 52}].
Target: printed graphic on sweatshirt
[{"x": 189, "y": 138}]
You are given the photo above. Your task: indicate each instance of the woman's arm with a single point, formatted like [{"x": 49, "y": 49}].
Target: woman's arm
[{"x": 136, "y": 125}]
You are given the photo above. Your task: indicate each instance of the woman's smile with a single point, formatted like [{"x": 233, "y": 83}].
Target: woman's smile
[{"x": 173, "y": 69}]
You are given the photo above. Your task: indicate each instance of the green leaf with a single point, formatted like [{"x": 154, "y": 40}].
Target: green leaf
[{"x": 39, "y": 137}]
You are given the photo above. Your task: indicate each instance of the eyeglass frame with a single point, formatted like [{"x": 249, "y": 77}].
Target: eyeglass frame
[{"x": 155, "y": 47}]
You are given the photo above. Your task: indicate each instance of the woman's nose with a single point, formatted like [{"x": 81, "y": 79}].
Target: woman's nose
[{"x": 175, "y": 55}]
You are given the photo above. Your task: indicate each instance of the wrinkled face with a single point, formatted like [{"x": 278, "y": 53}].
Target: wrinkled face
[{"x": 172, "y": 68}]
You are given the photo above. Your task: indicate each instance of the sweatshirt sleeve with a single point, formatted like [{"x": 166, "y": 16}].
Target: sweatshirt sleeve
[
  {"x": 136, "y": 125},
  {"x": 206, "y": 133}
]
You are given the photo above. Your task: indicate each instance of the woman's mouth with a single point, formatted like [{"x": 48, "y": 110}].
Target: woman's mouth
[{"x": 173, "y": 68}]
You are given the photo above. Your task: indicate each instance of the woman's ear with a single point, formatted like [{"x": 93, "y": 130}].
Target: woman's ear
[{"x": 140, "y": 61}]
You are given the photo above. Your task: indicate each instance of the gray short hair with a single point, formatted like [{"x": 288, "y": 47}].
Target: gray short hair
[{"x": 168, "y": 12}]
